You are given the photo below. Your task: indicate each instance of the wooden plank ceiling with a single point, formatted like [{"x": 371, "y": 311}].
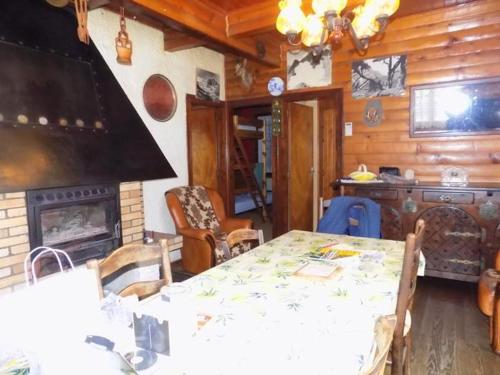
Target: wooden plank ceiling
[{"x": 242, "y": 27}]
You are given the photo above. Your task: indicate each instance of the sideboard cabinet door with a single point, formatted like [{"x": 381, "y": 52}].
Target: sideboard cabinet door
[{"x": 452, "y": 242}]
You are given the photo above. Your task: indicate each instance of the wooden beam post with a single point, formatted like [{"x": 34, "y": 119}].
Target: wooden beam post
[{"x": 202, "y": 19}]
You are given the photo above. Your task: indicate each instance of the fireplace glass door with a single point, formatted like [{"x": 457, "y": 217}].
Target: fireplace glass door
[
  {"x": 76, "y": 223},
  {"x": 82, "y": 220}
]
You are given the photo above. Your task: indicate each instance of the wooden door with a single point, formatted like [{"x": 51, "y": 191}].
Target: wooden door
[
  {"x": 301, "y": 161},
  {"x": 330, "y": 143},
  {"x": 205, "y": 135}
]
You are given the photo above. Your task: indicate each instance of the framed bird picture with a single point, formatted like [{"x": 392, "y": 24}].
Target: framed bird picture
[{"x": 309, "y": 68}]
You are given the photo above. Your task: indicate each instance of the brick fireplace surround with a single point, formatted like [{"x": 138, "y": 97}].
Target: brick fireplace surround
[{"x": 14, "y": 241}]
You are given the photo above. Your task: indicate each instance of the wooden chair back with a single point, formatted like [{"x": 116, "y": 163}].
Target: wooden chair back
[
  {"x": 134, "y": 254},
  {"x": 384, "y": 331},
  {"x": 406, "y": 293},
  {"x": 241, "y": 235}
]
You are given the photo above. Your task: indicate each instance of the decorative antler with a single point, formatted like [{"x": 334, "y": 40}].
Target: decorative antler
[{"x": 81, "y": 9}]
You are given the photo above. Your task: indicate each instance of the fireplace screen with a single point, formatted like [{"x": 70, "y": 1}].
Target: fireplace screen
[{"x": 75, "y": 223}]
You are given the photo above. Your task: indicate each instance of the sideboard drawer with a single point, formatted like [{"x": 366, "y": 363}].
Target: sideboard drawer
[
  {"x": 384, "y": 194},
  {"x": 448, "y": 197}
]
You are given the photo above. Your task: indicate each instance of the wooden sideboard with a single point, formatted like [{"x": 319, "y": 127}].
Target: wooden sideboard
[{"x": 462, "y": 231}]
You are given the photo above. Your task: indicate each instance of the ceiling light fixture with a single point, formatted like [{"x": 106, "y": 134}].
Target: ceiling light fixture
[{"x": 328, "y": 24}]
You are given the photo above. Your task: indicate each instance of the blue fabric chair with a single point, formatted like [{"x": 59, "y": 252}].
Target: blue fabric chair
[{"x": 353, "y": 216}]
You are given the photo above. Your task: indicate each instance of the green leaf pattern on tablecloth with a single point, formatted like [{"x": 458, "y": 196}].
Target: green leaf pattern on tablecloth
[{"x": 261, "y": 284}]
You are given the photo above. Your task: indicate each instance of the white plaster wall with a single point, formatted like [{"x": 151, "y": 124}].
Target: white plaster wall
[{"x": 150, "y": 58}]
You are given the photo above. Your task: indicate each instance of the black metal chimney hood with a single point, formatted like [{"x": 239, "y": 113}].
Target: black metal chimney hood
[{"x": 64, "y": 119}]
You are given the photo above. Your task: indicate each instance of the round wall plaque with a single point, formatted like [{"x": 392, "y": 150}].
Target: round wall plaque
[
  {"x": 159, "y": 97},
  {"x": 374, "y": 113},
  {"x": 276, "y": 86}
]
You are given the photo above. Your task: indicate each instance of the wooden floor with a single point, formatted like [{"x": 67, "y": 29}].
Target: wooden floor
[
  {"x": 258, "y": 223},
  {"x": 450, "y": 334}
]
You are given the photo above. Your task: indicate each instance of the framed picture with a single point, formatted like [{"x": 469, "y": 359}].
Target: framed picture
[
  {"x": 456, "y": 108},
  {"x": 306, "y": 69},
  {"x": 207, "y": 85},
  {"x": 381, "y": 76}
]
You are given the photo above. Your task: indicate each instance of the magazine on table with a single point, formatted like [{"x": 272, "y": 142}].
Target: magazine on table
[{"x": 331, "y": 251}]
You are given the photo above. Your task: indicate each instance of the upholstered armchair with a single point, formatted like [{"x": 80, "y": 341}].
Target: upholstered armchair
[
  {"x": 489, "y": 301},
  {"x": 191, "y": 209}
]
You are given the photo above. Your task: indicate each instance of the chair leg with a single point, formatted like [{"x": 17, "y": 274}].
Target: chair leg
[
  {"x": 407, "y": 355},
  {"x": 397, "y": 359}
]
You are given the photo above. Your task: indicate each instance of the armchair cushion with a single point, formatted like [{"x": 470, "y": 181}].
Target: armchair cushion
[{"x": 197, "y": 207}]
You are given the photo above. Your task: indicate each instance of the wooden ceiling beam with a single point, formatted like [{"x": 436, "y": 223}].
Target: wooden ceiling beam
[
  {"x": 179, "y": 41},
  {"x": 202, "y": 19},
  {"x": 253, "y": 19},
  {"x": 261, "y": 17}
]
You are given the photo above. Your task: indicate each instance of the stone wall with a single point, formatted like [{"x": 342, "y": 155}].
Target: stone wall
[{"x": 14, "y": 241}]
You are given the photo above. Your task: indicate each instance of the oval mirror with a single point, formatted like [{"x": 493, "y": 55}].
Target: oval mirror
[{"x": 159, "y": 97}]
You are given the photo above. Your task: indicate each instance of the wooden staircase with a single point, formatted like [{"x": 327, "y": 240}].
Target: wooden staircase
[{"x": 242, "y": 164}]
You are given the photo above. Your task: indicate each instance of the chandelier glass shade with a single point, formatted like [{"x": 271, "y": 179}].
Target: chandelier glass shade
[{"x": 328, "y": 23}]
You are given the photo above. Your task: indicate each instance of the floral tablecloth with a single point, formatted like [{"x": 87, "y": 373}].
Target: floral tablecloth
[{"x": 267, "y": 320}]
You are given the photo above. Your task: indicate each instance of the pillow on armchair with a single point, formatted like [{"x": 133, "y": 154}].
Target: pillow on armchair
[{"x": 199, "y": 216}]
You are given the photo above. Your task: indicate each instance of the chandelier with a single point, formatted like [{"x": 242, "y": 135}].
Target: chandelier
[{"x": 328, "y": 24}]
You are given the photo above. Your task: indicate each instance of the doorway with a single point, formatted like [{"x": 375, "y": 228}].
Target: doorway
[
  {"x": 309, "y": 158},
  {"x": 252, "y": 181}
]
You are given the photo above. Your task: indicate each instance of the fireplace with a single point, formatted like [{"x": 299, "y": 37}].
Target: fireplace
[{"x": 83, "y": 220}]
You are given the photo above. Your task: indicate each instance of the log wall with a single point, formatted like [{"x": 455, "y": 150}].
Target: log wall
[{"x": 450, "y": 44}]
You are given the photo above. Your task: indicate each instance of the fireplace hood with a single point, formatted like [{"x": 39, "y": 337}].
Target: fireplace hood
[{"x": 64, "y": 119}]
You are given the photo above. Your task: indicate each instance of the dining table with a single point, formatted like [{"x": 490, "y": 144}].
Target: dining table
[{"x": 279, "y": 308}]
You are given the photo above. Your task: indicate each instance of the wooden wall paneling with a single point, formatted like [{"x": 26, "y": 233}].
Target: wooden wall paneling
[
  {"x": 234, "y": 89},
  {"x": 454, "y": 43},
  {"x": 449, "y": 44}
]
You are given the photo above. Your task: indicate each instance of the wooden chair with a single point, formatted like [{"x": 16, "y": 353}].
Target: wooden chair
[
  {"x": 401, "y": 345},
  {"x": 488, "y": 298},
  {"x": 134, "y": 254},
  {"x": 241, "y": 235},
  {"x": 384, "y": 331}
]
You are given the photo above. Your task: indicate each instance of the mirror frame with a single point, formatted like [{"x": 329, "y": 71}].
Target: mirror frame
[{"x": 448, "y": 133}]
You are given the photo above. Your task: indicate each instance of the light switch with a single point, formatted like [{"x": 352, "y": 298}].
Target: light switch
[{"x": 348, "y": 129}]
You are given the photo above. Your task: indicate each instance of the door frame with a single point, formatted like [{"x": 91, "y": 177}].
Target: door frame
[
  {"x": 284, "y": 156},
  {"x": 222, "y": 163},
  {"x": 280, "y": 147}
]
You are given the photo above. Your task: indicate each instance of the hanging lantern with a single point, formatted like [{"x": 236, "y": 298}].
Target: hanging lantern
[
  {"x": 81, "y": 10},
  {"x": 123, "y": 43}
]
